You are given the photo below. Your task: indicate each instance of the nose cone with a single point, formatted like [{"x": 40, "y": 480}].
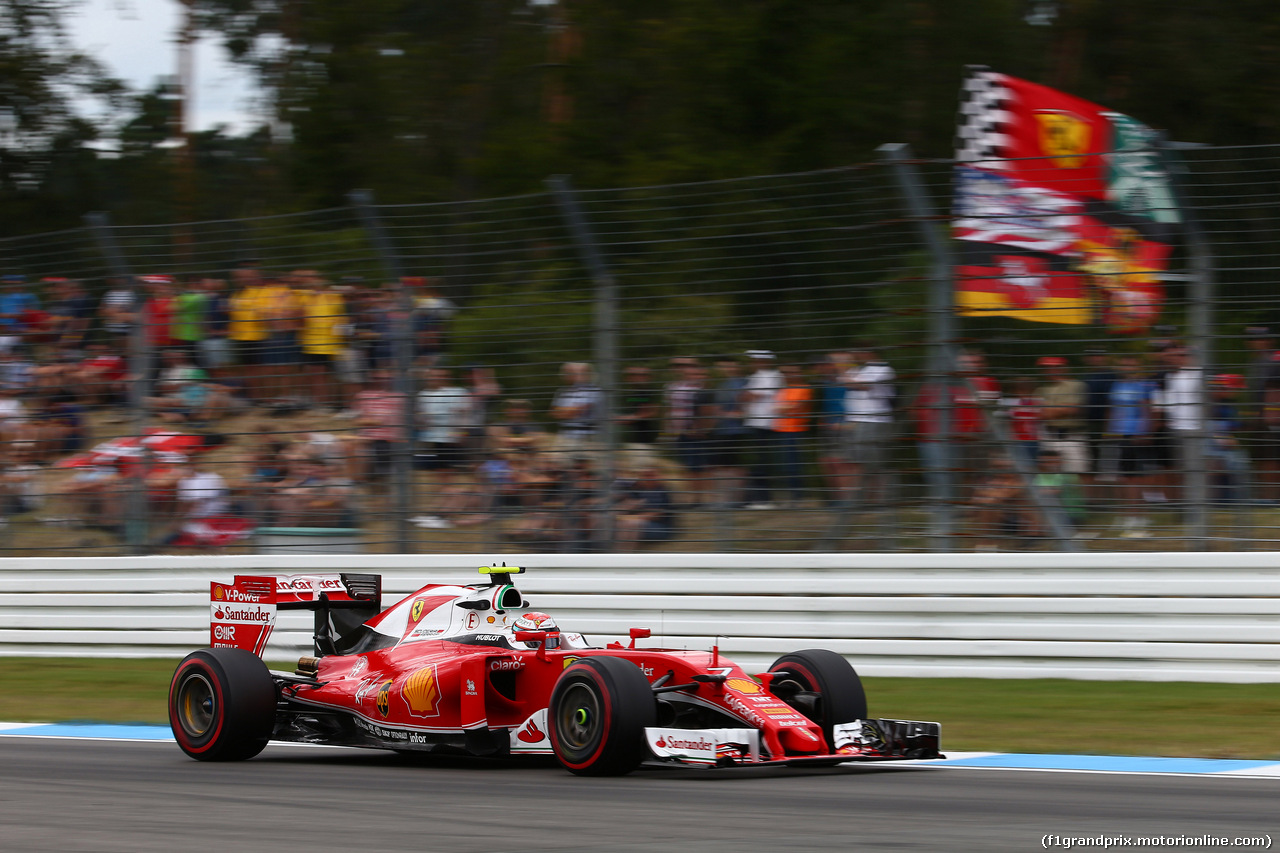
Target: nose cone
[{"x": 796, "y": 740}]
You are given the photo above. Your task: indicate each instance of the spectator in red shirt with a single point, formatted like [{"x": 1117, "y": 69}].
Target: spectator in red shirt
[
  {"x": 100, "y": 378},
  {"x": 381, "y": 421},
  {"x": 157, "y": 319},
  {"x": 971, "y": 392},
  {"x": 1023, "y": 410}
]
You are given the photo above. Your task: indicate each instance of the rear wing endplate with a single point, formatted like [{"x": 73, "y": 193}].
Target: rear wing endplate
[{"x": 242, "y": 613}]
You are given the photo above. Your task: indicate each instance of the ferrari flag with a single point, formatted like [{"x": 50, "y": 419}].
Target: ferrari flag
[{"x": 1064, "y": 209}]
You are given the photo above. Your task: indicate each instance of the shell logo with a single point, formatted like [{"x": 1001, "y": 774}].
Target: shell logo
[
  {"x": 742, "y": 685},
  {"x": 217, "y": 593},
  {"x": 421, "y": 693}
]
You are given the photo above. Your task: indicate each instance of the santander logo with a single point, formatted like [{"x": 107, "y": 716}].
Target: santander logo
[
  {"x": 531, "y": 733},
  {"x": 218, "y": 614},
  {"x": 701, "y": 744},
  {"x": 661, "y": 743}
]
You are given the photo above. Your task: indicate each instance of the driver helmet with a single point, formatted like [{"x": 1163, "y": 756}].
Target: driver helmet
[{"x": 536, "y": 622}]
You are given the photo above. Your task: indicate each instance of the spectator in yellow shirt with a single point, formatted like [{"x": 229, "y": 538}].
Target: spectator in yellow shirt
[
  {"x": 325, "y": 325},
  {"x": 245, "y": 327},
  {"x": 281, "y": 310}
]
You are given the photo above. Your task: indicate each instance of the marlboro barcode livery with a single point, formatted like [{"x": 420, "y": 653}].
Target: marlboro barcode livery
[{"x": 476, "y": 670}]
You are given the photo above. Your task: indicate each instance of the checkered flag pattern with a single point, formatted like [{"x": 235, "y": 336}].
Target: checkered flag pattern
[{"x": 982, "y": 126}]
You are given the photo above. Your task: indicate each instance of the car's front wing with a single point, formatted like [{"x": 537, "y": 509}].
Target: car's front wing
[{"x": 859, "y": 740}]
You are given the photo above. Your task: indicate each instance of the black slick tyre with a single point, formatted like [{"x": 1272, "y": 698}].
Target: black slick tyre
[
  {"x": 821, "y": 685},
  {"x": 597, "y": 715},
  {"x": 222, "y": 704}
]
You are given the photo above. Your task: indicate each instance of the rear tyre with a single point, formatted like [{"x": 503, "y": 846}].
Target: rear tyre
[
  {"x": 821, "y": 685},
  {"x": 222, "y": 704},
  {"x": 597, "y": 716}
]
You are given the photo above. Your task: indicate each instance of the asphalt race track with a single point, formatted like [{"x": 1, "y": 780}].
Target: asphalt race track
[{"x": 82, "y": 795}]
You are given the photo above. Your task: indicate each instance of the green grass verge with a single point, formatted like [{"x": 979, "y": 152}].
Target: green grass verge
[
  {"x": 1174, "y": 718},
  {"x": 1042, "y": 715},
  {"x": 99, "y": 689}
]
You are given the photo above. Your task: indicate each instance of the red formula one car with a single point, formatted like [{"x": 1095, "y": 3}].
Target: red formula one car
[{"x": 472, "y": 669}]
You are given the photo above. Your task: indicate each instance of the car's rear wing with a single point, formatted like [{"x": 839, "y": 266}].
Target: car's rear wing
[
  {"x": 242, "y": 614},
  {"x": 336, "y": 589}
]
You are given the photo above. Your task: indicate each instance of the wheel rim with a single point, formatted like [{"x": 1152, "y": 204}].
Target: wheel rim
[
  {"x": 197, "y": 705},
  {"x": 578, "y": 722}
]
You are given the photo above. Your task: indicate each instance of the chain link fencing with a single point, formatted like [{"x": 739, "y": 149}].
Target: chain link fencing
[{"x": 770, "y": 363}]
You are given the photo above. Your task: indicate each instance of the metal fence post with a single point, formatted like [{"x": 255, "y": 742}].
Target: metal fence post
[
  {"x": 137, "y": 513},
  {"x": 1199, "y": 339},
  {"x": 942, "y": 335},
  {"x": 604, "y": 343},
  {"x": 941, "y": 313},
  {"x": 402, "y": 322}
]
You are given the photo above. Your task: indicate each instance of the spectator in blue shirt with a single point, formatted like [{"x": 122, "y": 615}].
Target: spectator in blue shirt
[
  {"x": 577, "y": 408},
  {"x": 728, "y": 436},
  {"x": 1227, "y": 460},
  {"x": 1130, "y": 427},
  {"x": 831, "y": 391},
  {"x": 646, "y": 511},
  {"x": 15, "y": 302}
]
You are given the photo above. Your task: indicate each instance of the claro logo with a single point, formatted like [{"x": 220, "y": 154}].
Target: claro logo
[{"x": 506, "y": 665}]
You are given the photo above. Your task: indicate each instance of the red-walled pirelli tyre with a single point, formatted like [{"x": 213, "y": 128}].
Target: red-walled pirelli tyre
[
  {"x": 597, "y": 716},
  {"x": 222, "y": 704},
  {"x": 821, "y": 685}
]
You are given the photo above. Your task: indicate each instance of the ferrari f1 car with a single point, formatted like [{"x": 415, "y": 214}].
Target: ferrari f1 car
[{"x": 473, "y": 669}]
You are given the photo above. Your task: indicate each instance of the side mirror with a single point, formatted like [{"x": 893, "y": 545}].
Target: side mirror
[
  {"x": 639, "y": 634},
  {"x": 539, "y": 637}
]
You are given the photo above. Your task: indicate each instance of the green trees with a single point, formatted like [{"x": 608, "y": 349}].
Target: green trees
[
  {"x": 428, "y": 100},
  {"x": 45, "y": 141},
  {"x": 436, "y": 100}
]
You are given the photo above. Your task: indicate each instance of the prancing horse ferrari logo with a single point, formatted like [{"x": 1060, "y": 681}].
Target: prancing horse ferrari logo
[
  {"x": 415, "y": 612},
  {"x": 1064, "y": 136}
]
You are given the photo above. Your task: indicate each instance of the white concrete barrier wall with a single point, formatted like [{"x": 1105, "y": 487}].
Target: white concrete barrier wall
[{"x": 1188, "y": 617}]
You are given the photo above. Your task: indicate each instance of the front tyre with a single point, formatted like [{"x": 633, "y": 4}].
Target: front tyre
[
  {"x": 821, "y": 685},
  {"x": 597, "y": 716},
  {"x": 222, "y": 704}
]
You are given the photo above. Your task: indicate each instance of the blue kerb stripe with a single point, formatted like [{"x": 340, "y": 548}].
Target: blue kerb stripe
[
  {"x": 93, "y": 730},
  {"x": 1114, "y": 763}
]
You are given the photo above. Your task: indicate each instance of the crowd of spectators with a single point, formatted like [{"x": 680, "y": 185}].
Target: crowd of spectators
[{"x": 1108, "y": 438}]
